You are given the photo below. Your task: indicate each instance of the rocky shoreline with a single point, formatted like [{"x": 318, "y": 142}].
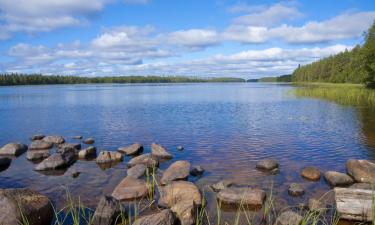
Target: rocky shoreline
[{"x": 178, "y": 200}]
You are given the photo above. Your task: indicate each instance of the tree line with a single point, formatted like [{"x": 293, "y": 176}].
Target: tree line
[
  {"x": 355, "y": 66},
  {"x": 39, "y": 79},
  {"x": 282, "y": 78}
]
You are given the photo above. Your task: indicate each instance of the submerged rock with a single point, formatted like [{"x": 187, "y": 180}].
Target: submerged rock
[
  {"x": 107, "y": 211},
  {"x": 221, "y": 185},
  {"x": 179, "y": 170},
  {"x": 137, "y": 171},
  {"x": 40, "y": 145},
  {"x": 197, "y": 171},
  {"x": 316, "y": 205},
  {"x": 244, "y": 196},
  {"x": 109, "y": 157},
  {"x": 133, "y": 149},
  {"x": 311, "y": 173},
  {"x": 288, "y": 218},
  {"x": 160, "y": 152},
  {"x": 337, "y": 179},
  {"x": 296, "y": 189},
  {"x": 145, "y": 159},
  {"x": 37, "y": 137},
  {"x": 57, "y": 161},
  {"x": 23, "y": 204},
  {"x": 54, "y": 139},
  {"x": 35, "y": 155},
  {"x": 87, "y": 153},
  {"x": 363, "y": 171},
  {"x": 267, "y": 164},
  {"x": 77, "y": 137},
  {"x": 89, "y": 141},
  {"x": 165, "y": 217},
  {"x": 13, "y": 149},
  {"x": 129, "y": 189}
]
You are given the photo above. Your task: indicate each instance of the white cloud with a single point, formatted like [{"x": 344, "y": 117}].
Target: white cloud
[
  {"x": 137, "y": 1},
  {"x": 193, "y": 38}
]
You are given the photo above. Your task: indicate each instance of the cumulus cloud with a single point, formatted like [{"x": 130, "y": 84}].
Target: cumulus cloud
[
  {"x": 137, "y": 1},
  {"x": 193, "y": 38}
]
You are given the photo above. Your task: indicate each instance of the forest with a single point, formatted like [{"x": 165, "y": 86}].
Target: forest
[{"x": 355, "y": 66}]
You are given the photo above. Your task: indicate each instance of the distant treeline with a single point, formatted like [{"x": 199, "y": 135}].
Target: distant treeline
[
  {"x": 38, "y": 79},
  {"x": 282, "y": 78},
  {"x": 355, "y": 66}
]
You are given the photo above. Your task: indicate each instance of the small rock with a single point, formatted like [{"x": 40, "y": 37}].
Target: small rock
[
  {"x": 5, "y": 162},
  {"x": 89, "y": 141},
  {"x": 107, "y": 211},
  {"x": 87, "y": 153},
  {"x": 13, "y": 149},
  {"x": 108, "y": 157},
  {"x": 288, "y": 218},
  {"x": 54, "y": 139},
  {"x": 133, "y": 149},
  {"x": 296, "y": 189},
  {"x": 35, "y": 155},
  {"x": 196, "y": 171},
  {"x": 363, "y": 171},
  {"x": 244, "y": 196},
  {"x": 180, "y": 148},
  {"x": 16, "y": 204},
  {"x": 221, "y": 185},
  {"x": 77, "y": 137},
  {"x": 316, "y": 205},
  {"x": 137, "y": 171},
  {"x": 145, "y": 159},
  {"x": 37, "y": 137},
  {"x": 76, "y": 146},
  {"x": 40, "y": 145},
  {"x": 75, "y": 173},
  {"x": 129, "y": 189},
  {"x": 311, "y": 173},
  {"x": 267, "y": 164},
  {"x": 159, "y": 151},
  {"x": 57, "y": 161},
  {"x": 165, "y": 217},
  {"x": 179, "y": 170},
  {"x": 337, "y": 179}
]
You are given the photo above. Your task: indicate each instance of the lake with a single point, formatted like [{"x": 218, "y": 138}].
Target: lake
[{"x": 225, "y": 127}]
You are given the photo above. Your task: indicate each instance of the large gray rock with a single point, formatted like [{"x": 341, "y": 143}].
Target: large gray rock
[
  {"x": 107, "y": 211},
  {"x": 54, "y": 139},
  {"x": 137, "y": 171},
  {"x": 267, "y": 164},
  {"x": 40, "y": 145},
  {"x": 244, "y": 196},
  {"x": 311, "y": 173},
  {"x": 165, "y": 217},
  {"x": 337, "y": 179},
  {"x": 20, "y": 205},
  {"x": 363, "y": 171},
  {"x": 109, "y": 157},
  {"x": 296, "y": 189},
  {"x": 35, "y": 155},
  {"x": 160, "y": 152},
  {"x": 133, "y": 149},
  {"x": 179, "y": 170},
  {"x": 87, "y": 153},
  {"x": 145, "y": 159},
  {"x": 288, "y": 218},
  {"x": 221, "y": 185},
  {"x": 354, "y": 204},
  {"x": 129, "y": 189},
  {"x": 57, "y": 161},
  {"x": 13, "y": 149}
]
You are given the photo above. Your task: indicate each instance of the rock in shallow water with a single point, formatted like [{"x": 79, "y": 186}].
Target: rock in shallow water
[
  {"x": 107, "y": 211},
  {"x": 13, "y": 149},
  {"x": 165, "y": 217},
  {"x": 40, "y": 145},
  {"x": 137, "y": 171},
  {"x": 296, "y": 189},
  {"x": 133, "y": 149},
  {"x": 337, "y": 179},
  {"x": 221, "y": 185},
  {"x": 37, "y": 137},
  {"x": 197, "y": 171},
  {"x": 244, "y": 196},
  {"x": 57, "y": 161},
  {"x": 288, "y": 218},
  {"x": 160, "y": 152},
  {"x": 54, "y": 139},
  {"x": 89, "y": 141},
  {"x": 145, "y": 159},
  {"x": 178, "y": 170},
  {"x": 109, "y": 157},
  {"x": 129, "y": 189},
  {"x": 35, "y": 155},
  {"x": 363, "y": 171},
  {"x": 4, "y": 162},
  {"x": 267, "y": 164},
  {"x": 87, "y": 153},
  {"x": 311, "y": 173},
  {"x": 18, "y": 203}
]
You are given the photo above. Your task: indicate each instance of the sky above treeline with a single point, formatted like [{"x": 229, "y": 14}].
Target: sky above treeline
[{"x": 206, "y": 38}]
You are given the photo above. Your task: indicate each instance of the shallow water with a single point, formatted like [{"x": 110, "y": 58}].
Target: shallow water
[{"x": 224, "y": 127}]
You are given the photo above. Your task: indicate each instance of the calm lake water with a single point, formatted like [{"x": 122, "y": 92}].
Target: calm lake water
[{"x": 225, "y": 128}]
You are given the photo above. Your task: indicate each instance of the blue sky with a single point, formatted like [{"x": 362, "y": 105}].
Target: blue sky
[{"x": 210, "y": 38}]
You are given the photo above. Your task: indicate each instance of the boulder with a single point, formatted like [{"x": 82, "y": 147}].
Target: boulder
[
  {"x": 57, "y": 161},
  {"x": 316, "y": 205},
  {"x": 21, "y": 205},
  {"x": 13, "y": 149},
  {"x": 296, "y": 189},
  {"x": 76, "y": 146},
  {"x": 362, "y": 186},
  {"x": 221, "y": 185},
  {"x": 354, "y": 204},
  {"x": 267, "y": 164},
  {"x": 77, "y": 137},
  {"x": 145, "y": 159},
  {"x": 129, "y": 189},
  {"x": 133, "y": 149},
  {"x": 35, "y": 155},
  {"x": 185, "y": 212},
  {"x": 54, "y": 139},
  {"x": 37, "y": 137},
  {"x": 288, "y": 218},
  {"x": 137, "y": 171},
  {"x": 180, "y": 148},
  {"x": 311, "y": 173},
  {"x": 244, "y": 196},
  {"x": 338, "y": 179},
  {"x": 109, "y": 157},
  {"x": 40, "y": 145},
  {"x": 87, "y": 153},
  {"x": 179, "y": 170},
  {"x": 197, "y": 171},
  {"x": 160, "y": 152},
  {"x": 165, "y": 217},
  {"x": 363, "y": 171},
  {"x": 5, "y": 162},
  {"x": 107, "y": 211},
  {"x": 89, "y": 141}
]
